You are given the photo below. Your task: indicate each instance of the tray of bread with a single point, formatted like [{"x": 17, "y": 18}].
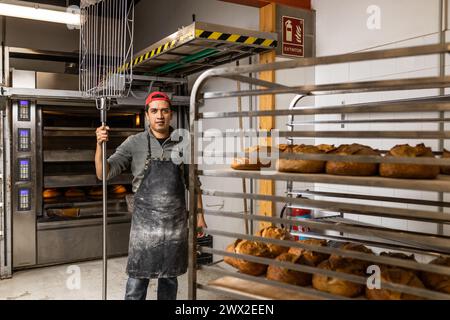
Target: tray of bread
[
  {"x": 328, "y": 270},
  {"x": 259, "y": 157},
  {"x": 76, "y": 202}
]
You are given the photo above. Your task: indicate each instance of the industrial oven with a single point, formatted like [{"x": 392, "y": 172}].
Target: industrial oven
[
  {"x": 51, "y": 200},
  {"x": 56, "y": 197}
]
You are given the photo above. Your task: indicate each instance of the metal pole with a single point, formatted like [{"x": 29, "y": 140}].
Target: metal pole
[
  {"x": 290, "y": 140},
  {"x": 2, "y": 202},
  {"x": 241, "y": 127},
  {"x": 103, "y": 109},
  {"x": 443, "y": 20},
  {"x": 250, "y": 120}
]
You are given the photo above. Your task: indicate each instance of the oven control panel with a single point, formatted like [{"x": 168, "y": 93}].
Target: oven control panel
[
  {"x": 25, "y": 176},
  {"x": 24, "y": 203},
  {"x": 24, "y": 140},
  {"x": 24, "y": 170}
]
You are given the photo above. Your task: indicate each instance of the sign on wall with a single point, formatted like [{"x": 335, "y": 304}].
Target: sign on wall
[
  {"x": 296, "y": 30},
  {"x": 293, "y": 37}
]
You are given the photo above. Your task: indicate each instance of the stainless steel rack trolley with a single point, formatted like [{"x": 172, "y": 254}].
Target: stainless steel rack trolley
[{"x": 421, "y": 243}]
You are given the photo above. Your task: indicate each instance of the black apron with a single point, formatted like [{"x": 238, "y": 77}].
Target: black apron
[{"x": 158, "y": 245}]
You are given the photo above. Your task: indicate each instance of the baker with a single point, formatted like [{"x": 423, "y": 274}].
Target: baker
[{"x": 158, "y": 245}]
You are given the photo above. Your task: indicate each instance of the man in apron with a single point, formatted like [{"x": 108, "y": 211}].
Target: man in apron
[{"x": 159, "y": 236}]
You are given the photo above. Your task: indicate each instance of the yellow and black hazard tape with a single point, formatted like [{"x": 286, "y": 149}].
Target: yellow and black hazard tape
[
  {"x": 148, "y": 55},
  {"x": 231, "y": 37},
  {"x": 210, "y": 35}
]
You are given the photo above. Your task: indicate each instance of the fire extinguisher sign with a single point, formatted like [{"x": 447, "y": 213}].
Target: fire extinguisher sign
[{"x": 293, "y": 35}]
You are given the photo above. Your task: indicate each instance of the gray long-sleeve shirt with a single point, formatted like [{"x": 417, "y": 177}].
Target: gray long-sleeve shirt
[{"x": 132, "y": 153}]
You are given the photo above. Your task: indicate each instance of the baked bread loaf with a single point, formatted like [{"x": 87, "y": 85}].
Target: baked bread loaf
[
  {"x": 353, "y": 168},
  {"x": 118, "y": 189},
  {"x": 74, "y": 193},
  {"x": 335, "y": 259},
  {"x": 338, "y": 286},
  {"x": 248, "y": 247},
  {"x": 445, "y": 169},
  {"x": 96, "y": 192},
  {"x": 398, "y": 255},
  {"x": 436, "y": 281},
  {"x": 51, "y": 193},
  {"x": 289, "y": 276},
  {"x": 397, "y": 276},
  {"x": 326, "y": 147},
  {"x": 298, "y": 165},
  {"x": 252, "y": 161},
  {"x": 275, "y": 233},
  {"x": 409, "y": 171},
  {"x": 312, "y": 257},
  {"x": 283, "y": 147},
  {"x": 232, "y": 248}
]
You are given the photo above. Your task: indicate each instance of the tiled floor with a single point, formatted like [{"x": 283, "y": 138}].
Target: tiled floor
[{"x": 82, "y": 281}]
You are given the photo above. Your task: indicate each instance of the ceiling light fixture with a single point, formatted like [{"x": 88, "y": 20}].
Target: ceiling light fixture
[{"x": 24, "y": 10}]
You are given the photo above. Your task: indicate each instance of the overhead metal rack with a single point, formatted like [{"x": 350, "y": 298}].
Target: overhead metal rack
[{"x": 198, "y": 47}]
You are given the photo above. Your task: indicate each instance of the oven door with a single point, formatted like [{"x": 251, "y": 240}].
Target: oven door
[{"x": 70, "y": 215}]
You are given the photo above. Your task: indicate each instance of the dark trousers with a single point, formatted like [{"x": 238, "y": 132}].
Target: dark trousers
[{"x": 137, "y": 289}]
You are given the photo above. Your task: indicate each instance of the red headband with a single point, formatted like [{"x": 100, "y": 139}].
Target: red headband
[{"x": 156, "y": 96}]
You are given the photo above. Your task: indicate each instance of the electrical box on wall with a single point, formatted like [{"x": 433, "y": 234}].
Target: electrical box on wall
[{"x": 296, "y": 30}]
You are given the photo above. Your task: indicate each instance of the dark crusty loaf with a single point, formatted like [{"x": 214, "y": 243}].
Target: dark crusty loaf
[
  {"x": 299, "y": 165},
  {"x": 252, "y": 161},
  {"x": 275, "y": 233},
  {"x": 445, "y": 169},
  {"x": 436, "y": 281},
  {"x": 352, "y": 168},
  {"x": 336, "y": 259},
  {"x": 313, "y": 257},
  {"x": 409, "y": 171},
  {"x": 248, "y": 247},
  {"x": 286, "y": 275},
  {"x": 398, "y": 255},
  {"x": 396, "y": 276},
  {"x": 335, "y": 285}
]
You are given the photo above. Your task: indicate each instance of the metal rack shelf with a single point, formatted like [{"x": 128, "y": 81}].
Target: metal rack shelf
[
  {"x": 369, "y": 197},
  {"x": 343, "y": 207},
  {"x": 441, "y": 184},
  {"x": 64, "y": 180},
  {"x": 429, "y": 104},
  {"x": 71, "y": 155},
  {"x": 200, "y": 46},
  {"x": 119, "y": 217},
  {"x": 332, "y": 157},
  {"x": 428, "y": 245},
  {"x": 341, "y": 134},
  {"x": 86, "y": 132}
]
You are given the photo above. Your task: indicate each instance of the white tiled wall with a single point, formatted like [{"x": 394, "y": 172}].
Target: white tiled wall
[{"x": 341, "y": 28}]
